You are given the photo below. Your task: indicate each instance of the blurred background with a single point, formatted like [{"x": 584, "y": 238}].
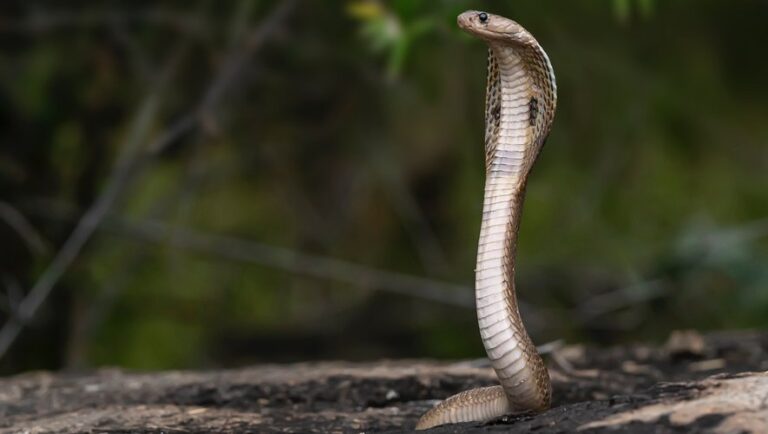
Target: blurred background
[{"x": 204, "y": 184}]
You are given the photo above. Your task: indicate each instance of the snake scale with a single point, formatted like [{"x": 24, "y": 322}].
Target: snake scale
[{"x": 519, "y": 110}]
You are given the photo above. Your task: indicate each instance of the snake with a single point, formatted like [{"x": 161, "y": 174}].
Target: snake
[{"x": 520, "y": 101}]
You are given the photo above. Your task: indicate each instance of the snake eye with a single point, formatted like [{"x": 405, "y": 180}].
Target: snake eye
[{"x": 483, "y": 17}]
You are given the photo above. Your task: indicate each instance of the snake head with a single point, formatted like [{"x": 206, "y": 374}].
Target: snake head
[{"x": 492, "y": 28}]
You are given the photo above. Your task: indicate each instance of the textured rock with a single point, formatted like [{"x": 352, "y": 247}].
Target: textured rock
[{"x": 714, "y": 383}]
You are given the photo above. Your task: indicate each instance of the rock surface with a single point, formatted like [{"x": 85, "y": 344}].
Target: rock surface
[{"x": 716, "y": 383}]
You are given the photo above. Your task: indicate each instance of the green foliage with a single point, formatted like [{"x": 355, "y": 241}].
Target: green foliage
[{"x": 390, "y": 32}]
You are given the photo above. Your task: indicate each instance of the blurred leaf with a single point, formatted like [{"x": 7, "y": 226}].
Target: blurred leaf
[
  {"x": 365, "y": 10},
  {"x": 389, "y": 32}
]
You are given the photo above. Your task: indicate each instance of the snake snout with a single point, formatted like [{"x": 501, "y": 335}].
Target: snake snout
[{"x": 468, "y": 19}]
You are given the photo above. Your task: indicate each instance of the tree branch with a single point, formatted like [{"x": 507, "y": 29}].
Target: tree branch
[{"x": 130, "y": 162}]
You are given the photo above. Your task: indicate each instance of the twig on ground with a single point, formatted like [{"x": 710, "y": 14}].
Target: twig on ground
[
  {"x": 550, "y": 347},
  {"x": 563, "y": 363}
]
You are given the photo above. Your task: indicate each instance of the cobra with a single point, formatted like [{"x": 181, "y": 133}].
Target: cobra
[{"x": 519, "y": 110}]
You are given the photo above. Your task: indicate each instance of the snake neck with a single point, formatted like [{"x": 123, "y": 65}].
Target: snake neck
[{"x": 519, "y": 99}]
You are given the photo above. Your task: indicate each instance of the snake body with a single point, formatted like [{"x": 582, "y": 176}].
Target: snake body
[{"x": 519, "y": 110}]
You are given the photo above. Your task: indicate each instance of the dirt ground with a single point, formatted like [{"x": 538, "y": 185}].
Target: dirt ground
[{"x": 694, "y": 383}]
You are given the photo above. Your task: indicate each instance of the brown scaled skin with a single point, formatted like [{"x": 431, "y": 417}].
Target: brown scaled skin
[{"x": 520, "y": 106}]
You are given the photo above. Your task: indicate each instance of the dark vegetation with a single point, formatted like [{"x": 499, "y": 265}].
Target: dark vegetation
[{"x": 208, "y": 184}]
